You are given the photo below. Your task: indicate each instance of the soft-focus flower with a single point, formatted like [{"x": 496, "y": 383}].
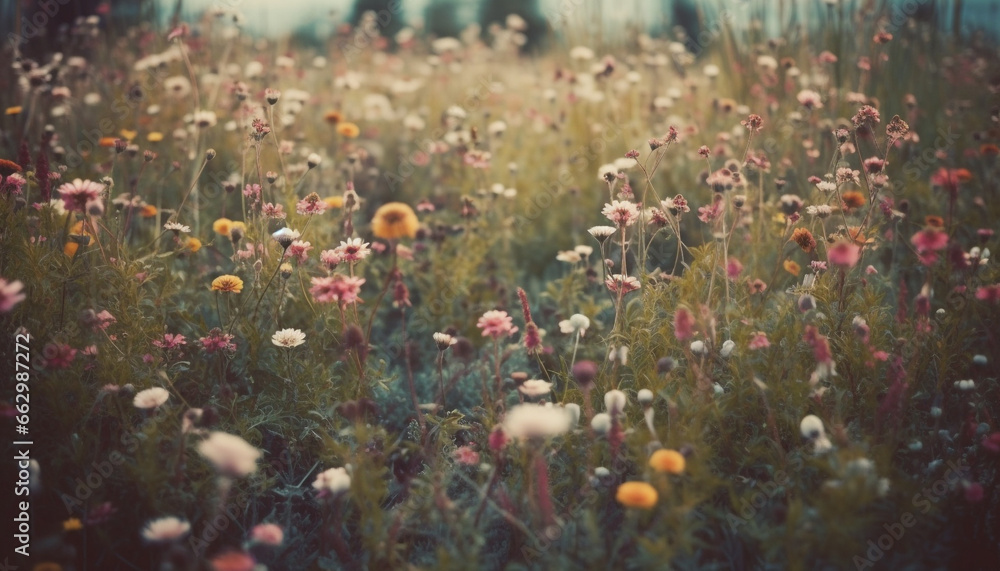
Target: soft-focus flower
[
  {"x": 728, "y": 346},
  {"x": 670, "y": 461},
  {"x": 232, "y": 560},
  {"x": 602, "y": 232},
  {"x": 165, "y": 529},
  {"x": 577, "y": 323},
  {"x": 288, "y": 338},
  {"x": 535, "y": 388},
  {"x": 443, "y": 341},
  {"x": 11, "y": 294},
  {"x": 333, "y": 481},
  {"x": 759, "y": 341},
  {"x": 637, "y": 495},
  {"x": 267, "y": 534},
  {"x": 804, "y": 239},
  {"x": 337, "y": 289},
  {"x": 285, "y": 237},
  {"x": 170, "y": 341},
  {"x": 311, "y": 205},
  {"x": 228, "y": 284},
  {"x": 531, "y": 420},
  {"x": 844, "y": 254},
  {"x": 78, "y": 193},
  {"x": 393, "y": 221},
  {"x": 496, "y": 324},
  {"x": 683, "y": 324},
  {"x": 150, "y": 398},
  {"x": 231, "y": 455},
  {"x": 222, "y": 226}
]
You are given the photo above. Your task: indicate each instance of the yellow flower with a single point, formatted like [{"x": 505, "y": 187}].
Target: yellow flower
[
  {"x": 154, "y": 137},
  {"x": 222, "y": 226},
  {"x": 72, "y": 524},
  {"x": 227, "y": 283},
  {"x": 792, "y": 268},
  {"x": 47, "y": 566},
  {"x": 127, "y": 134},
  {"x": 394, "y": 220},
  {"x": 637, "y": 495},
  {"x": 238, "y": 225},
  {"x": 334, "y": 201},
  {"x": 670, "y": 461},
  {"x": 148, "y": 211},
  {"x": 193, "y": 244},
  {"x": 15, "y": 110},
  {"x": 77, "y": 235},
  {"x": 349, "y": 130}
]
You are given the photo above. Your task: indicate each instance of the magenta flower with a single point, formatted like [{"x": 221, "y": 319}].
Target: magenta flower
[
  {"x": 217, "y": 340},
  {"x": 170, "y": 341},
  {"x": 337, "y": 289},
  {"x": 683, "y": 324},
  {"x": 928, "y": 242}
]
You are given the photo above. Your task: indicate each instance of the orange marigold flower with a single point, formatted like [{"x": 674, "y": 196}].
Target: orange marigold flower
[
  {"x": 333, "y": 117},
  {"x": 670, "y": 461},
  {"x": 15, "y": 110},
  {"x": 334, "y": 201},
  {"x": 935, "y": 221},
  {"x": 222, "y": 226},
  {"x": 227, "y": 283},
  {"x": 853, "y": 199},
  {"x": 349, "y": 130},
  {"x": 72, "y": 524},
  {"x": 107, "y": 141},
  {"x": 148, "y": 211},
  {"x": 77, "y": 236},
  {"x": 804, "y": 239},
  {"x": 792, "y": 267},
  {"x": 394, "y": 220},
  {"x": 193, "y": 244},
  {"x": 637, "y": 495}
]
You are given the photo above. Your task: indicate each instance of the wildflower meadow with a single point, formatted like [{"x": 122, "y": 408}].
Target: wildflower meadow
[{"x": 542, "y": 292}]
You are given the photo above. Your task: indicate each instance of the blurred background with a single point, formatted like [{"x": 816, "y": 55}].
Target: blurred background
[{"x": 609, "y": 20}]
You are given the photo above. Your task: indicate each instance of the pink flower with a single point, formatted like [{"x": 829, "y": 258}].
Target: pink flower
[
  {"x": 78, "y": 193},
  {"x": 759, "y": 341},
  {"x": 734, "y": 268},
  {"x": 496, "y": 324},
  {"x": 709, "y": 213},
  {"x": 990, "y": 293},
  {"x": 353, "y": 250},
  {"x": 950, "y": 179},
  {"x": 11, "y": 294},
  {"x": 330, "y": 259},
  {"x": 683, "y": 324},
  {"x": 217, "y": 340},
  {"x": 103, "y": 320},
  {"x": 928, "y": 242},
  {"x": 170, "y": 341},
  {"x": 267, "y": 534},
  {"x": 337, "y": 289},
  {"x": 275, "y": 211},
  {"x": 13, "y": 184},
  {"x": 311, "y": 205},
  {"x": 58, "y": 356},
  {"x": 466, "y": 455},
  {"x": 619, "y": 283},
  {"x": 299, "y": 250},
  {"x": 844, "y": 254},
  {"x": 621, "y": 213}
]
